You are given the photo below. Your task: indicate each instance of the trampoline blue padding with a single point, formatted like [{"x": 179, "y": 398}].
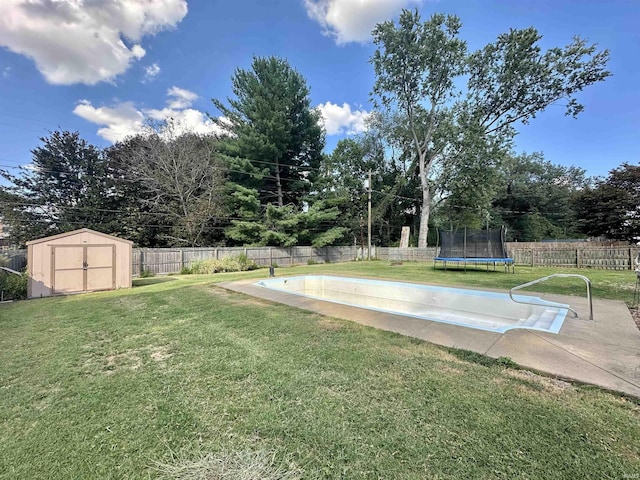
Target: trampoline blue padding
[
  {"x": 507, "y": 262},
  {"x": 474, "y": 260}
]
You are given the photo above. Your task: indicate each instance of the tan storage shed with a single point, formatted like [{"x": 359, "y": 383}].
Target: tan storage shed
[{"x": 79, "y": 261}]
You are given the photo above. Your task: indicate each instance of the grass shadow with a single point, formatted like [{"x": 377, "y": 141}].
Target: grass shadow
[
  {"x": 480, "y": 359},
  {"x": 143, "y": 282}
]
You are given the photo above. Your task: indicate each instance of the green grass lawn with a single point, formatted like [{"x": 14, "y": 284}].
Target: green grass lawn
[{"x": 178, "y": 378}]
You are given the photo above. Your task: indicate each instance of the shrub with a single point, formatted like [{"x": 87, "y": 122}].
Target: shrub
[
  {"x": 246, "y": 263},
  {"x": 147, "y": 274},
  {"x": 238, "y": 263},
  {"x": 13, "y": 286}
]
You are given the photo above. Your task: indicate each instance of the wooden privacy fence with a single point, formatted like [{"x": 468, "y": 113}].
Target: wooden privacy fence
[
  {"x": 612, "y": 258},
  {"x": 406, "y": 254},
  {"x": 172, "y": 260},
  {"x": 14, "y": 259}
]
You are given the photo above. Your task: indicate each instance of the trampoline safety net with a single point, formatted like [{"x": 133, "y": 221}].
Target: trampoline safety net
[{"x": 472, "y": 243}]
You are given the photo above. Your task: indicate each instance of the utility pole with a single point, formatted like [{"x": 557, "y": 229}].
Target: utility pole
[
  {"x": 369, "y": 226},
  {"x": 361, "y": 237}
]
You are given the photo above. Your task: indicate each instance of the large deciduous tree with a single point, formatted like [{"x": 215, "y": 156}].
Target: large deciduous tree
[
  {"x": 611, "y": 207},
  {"x": 469, "y": 175},
  {"x": 419, "y": 65},
  {"x": 273, "y": 126},
  {"x": 534, "y": 198},
  {"x": 183, "y": 179},
  {"x": 416, "y": 64}
]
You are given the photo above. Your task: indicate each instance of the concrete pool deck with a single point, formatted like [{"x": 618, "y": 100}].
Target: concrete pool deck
[{"x": 604, "y": 352}]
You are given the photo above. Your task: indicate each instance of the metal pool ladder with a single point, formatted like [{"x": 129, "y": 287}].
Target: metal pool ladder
[{"x": 543, "y": 279}]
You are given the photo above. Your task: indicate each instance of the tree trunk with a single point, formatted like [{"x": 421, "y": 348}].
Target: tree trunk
[
  {"x": 424, "y": 217},
  {"x": 424, "y": 165},
  {"x": 279, "y": 185},
  {"x": 425, "y": 209}
]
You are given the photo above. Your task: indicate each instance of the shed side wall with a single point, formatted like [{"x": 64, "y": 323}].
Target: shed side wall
[{"x": 40, "y": 267}]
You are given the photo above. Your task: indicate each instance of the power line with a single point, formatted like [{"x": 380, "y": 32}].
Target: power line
[
  {"x": 257, "y": 175},
  {"x": 141, "y": 213},
  {"x": 20, "y": 127},
  {"x": 9, "y": 114}
]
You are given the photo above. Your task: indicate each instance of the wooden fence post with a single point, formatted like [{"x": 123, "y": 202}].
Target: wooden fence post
[
  {"x": 141, "y": 262},
  {"x": 291, "y": 256},
  {"x": 533, "y": 258},
  {"x": 578, "y": 258}
]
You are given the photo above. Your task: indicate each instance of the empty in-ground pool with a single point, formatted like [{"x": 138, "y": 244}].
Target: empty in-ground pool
[{"x": 491, "y": 311}]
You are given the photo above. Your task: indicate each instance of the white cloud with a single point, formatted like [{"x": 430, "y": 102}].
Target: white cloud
[
  {"x": 151, "y": 72},
  {"x": 341, "y": 120},
  {"x": 124, "y": 119},
  {"x": 353, "y": 20},
  {"x": 119, "y": 121},
  {"x": 81, "y": 41},
  {"x": 187, "y": 120},
  {"x": 180, "y": 98}
]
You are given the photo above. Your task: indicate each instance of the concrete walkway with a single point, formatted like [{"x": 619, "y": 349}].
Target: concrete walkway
[{"x": 604, "y": 352}]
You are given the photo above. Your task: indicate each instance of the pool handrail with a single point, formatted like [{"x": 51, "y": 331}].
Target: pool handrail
[{"x": 543, "y": 279}]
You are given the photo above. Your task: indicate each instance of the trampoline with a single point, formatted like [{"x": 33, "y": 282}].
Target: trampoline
[{"x": 473, "y": 247}]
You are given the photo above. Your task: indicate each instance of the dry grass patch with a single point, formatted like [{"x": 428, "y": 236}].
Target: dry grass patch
[
  {"x": 130, "y": 303},
  {"x": 132, "y": 359},
  {"x": 539, "y": 382},
  {"x": 328, "y": 323},
  {"x": 239, "y": 465},
  {"x": 160, "y": 354},
  {"x": 128, "y": 360},
  {"x": 449, "y": 368},
  {"x": 401, "y": 351},
  {"x": 233, "y": 298},
  {"x": 448, "y": 357},
  {"x": 46, "y": 397}
]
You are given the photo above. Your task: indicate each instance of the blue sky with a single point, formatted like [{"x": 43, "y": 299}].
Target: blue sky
[{"x": 104, "y": 67}]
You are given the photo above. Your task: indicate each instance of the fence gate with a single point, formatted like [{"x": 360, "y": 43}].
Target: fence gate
[{"x": 82, "y": 268}]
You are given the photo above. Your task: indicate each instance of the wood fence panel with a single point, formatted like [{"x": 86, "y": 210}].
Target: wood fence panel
[
  {"x": 157, "y": 261},
  {"x": 615, "y": 258},
  {"x": 407, "y": 254},
  {"x": 608, "y": 258},
  {"x": 522, "y": 257},
  {"x": 172, "y": 260},
  {"x": 16, "y": 259}
]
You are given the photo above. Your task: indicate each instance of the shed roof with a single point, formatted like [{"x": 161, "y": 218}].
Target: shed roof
[{"x": 75, "y": 232}]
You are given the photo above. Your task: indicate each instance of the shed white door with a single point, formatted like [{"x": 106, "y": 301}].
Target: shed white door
[{"x": 82, "y": 268}]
